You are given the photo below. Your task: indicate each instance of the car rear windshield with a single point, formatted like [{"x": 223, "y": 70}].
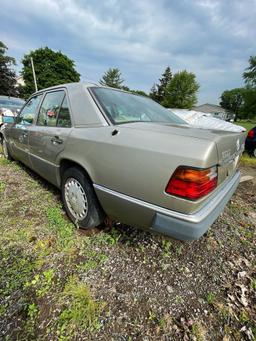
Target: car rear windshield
[{"x": 123, "y": 107}]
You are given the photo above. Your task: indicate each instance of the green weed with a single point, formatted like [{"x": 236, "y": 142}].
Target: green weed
[
  {"x": 253, "y": 283},
  {"x": 4, "y": 161},
  {"x": 210, "y": 298},
  {"x": 166, "y": 246},
  {"x": 2, "y": 187},
  {"x": 64, "y": 229},
  {"x": 30, "y": 323},
  {"x": 198, "y": 331},
  {"x": 42, "y": 282},
  {"x": 80, "y": 311}
]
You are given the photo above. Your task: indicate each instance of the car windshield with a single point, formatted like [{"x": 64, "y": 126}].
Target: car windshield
[{"x": 123, "y": 107}]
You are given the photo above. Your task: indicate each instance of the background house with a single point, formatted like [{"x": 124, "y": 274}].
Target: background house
[
  {"x": 20, "y": 81},
  {"x": 215, "y": 110}
]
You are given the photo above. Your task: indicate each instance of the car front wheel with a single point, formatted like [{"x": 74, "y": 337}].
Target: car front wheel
[
  {"x": 6, "y": 152},
  {"x": 80, "y": 200}
]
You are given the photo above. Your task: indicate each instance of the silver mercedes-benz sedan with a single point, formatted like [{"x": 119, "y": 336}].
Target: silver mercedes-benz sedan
[{"x": 116, "y": 154}]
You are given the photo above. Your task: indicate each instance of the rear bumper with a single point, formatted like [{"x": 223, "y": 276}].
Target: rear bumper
[
  {"x": 161, "y": 220},
  {"x": 193, "y": 226}
]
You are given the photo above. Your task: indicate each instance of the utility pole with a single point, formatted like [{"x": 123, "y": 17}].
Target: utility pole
[{"x": 34, "y": 74}]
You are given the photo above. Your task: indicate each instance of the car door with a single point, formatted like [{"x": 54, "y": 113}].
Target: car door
[
  {"x": 18, "y": 133},
  {"x": 48, "y": 136}
]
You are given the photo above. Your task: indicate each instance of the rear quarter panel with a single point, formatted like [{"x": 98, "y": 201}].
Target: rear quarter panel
[{"x": 136, "y": 164}]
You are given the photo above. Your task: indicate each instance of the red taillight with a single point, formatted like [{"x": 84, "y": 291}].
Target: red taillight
[
  {"x": 191, "y": 183},
  {"x": 251, "y": 134}
]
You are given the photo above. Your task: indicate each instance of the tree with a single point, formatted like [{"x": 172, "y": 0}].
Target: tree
[
  {"x": 233, "y": 100},
  {"x": 135, "y": 92},
  {"x": 7, "y": 75},
  {"x": 154, "y": 93},
  {"x": 139, "y": 92},
  {"x": 158, "y": 90},
  {"x": 181, "y": 91},
  {"x": 51, "y": 68},
  {"x": 248, "y": 109},
  {"x": 112, "y": 77},
  {"x": 164, "y": 81},
  {"x": 250, "y": 73}
]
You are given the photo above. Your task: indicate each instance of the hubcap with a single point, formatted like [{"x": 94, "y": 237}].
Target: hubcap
[
  {"x": 76, "y": 199},
  {"x": 5, "y": 150},
  {"x": 254, "y": 152}
]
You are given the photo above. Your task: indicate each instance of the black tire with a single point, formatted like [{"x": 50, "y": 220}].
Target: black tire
[
  {"x": 254, "y": 152},
  {"x": 6, "y": 150},
  {"x": 75, "y": 190}
]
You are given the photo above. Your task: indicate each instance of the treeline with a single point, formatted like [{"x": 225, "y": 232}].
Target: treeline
[
  {"x": 177, "y": 90},
  {"x": 172, "y": 91},
  {"x": 53, "y": 68},
  {"x": 242, "y": 101}
]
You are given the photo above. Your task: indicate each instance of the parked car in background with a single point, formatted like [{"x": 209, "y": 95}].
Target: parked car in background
[
  {"x": 250, "y": 142},
  {"x": 203, "y": 120},
  {"x": 125, "y": 156},
  {"x": 9, "y": 106},
  {"x": 12, "y": 104}
]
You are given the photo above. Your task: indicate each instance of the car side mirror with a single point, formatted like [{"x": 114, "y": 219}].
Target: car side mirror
[{"x": 9, "y": 119}]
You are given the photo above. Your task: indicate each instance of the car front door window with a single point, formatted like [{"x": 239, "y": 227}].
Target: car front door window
[{"x": 28, "y": 113}]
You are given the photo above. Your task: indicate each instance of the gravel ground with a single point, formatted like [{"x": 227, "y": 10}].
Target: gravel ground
[{"x": 117, "y": 282}]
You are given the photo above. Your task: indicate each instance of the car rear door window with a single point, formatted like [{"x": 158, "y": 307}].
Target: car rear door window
[
  {"x": 64, "y": 115},
  {"x": 28, "y": 113},
  {"x": 50, "y": 108}
]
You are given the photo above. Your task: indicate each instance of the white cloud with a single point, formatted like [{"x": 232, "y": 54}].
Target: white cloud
[{"x": 212, "y": 38}]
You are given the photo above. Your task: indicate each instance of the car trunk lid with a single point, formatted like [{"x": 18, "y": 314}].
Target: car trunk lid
[{"x": 229, "y": 145}]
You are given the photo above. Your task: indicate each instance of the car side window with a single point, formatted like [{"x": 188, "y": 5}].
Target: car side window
[
  {"x": 29, "y": 111},
  {"x": 50, "y": 108},
  {"x": 64, "y": 119}
]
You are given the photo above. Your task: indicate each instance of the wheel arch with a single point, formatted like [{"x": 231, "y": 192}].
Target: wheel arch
[{"x": 66, "y": 163}]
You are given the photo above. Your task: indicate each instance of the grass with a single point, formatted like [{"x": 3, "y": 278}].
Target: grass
[
  {"x": 39, "y": 251},
  {"x": 210, "y": 298},
  {"x": 58, "y": 283},
  {"x": 247, "y": 160},
  {"x": 80, "y": 312},
  {"x": 246, "y": 124}
]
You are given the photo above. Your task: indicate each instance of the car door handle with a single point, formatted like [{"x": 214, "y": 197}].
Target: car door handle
[{"x": 56, "y": 140}]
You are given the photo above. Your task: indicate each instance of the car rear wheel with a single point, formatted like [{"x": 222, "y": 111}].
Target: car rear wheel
[
  {"x": 6, "y": 152},
  {"x": 80, "y": 200},
  {"x": 254, "y": 152}
]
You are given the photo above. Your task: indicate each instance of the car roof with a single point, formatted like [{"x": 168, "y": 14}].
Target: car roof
[
  {"x": 78, "y": 86},
  {"x": 83, "y": 107},
  {"x": 70, "y": 86},
  {"x": 11, "y": 98}
]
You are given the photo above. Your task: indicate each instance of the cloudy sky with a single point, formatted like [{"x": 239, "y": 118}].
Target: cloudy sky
[{"x": 212, "y": 38}]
